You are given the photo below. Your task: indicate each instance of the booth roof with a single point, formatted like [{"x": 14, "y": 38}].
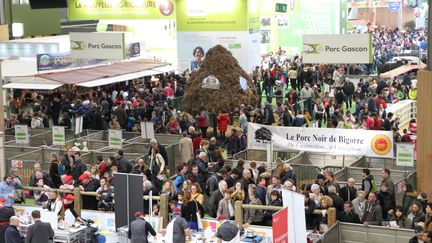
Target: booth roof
[
  {"x": 401, "y": 70},
  {"x": 107, "y": 74}
]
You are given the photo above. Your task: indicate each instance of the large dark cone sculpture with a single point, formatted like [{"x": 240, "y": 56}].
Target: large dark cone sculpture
[{"x": 220, "y": 63}]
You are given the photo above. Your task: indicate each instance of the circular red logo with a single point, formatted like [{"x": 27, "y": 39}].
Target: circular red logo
[
  {"x": 166, "y": 7},
  {"x": 381, "y": 144}
]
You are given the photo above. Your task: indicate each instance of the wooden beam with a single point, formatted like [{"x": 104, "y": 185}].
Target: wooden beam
[{"x": 424, "y": 132}]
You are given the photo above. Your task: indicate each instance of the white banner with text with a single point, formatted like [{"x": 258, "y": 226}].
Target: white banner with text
[
  {"x": 353, "y": 48},
  {"x": 98, "y": 45},
  {"x": 330, "y": 141}
]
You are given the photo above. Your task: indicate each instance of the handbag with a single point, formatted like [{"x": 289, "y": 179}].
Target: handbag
[{"x": 198, "y": 215}]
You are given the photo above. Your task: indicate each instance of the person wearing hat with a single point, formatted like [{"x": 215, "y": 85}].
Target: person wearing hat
[
  {"x": 140, "y": 228},
  {"x": 177, "y": 230},
  {"x": 88, "y": 184},
  {"x": 68, "y": 182},
  {"x": 228, "y": 231},
  {"x": 68, "y": 203},
  {"x": 5, "y": 214}
]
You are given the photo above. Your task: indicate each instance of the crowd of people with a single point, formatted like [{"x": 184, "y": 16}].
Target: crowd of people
[{"x": 305, "y": 95}]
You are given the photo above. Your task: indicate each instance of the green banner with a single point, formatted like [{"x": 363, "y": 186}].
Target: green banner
[
  {"x": 212, "y": 15},
  {"x": 253, "y": 16},
  {"x": 308, "y": 17},
  {"x": 121, "y": 9}
]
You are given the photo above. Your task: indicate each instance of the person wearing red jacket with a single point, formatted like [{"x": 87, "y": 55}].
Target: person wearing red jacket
[{"x": 223, "y": 121}]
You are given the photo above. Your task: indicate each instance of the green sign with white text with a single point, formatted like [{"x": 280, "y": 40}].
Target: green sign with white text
[
  {"x": 281, "y": 7},
  {"x": 121, "y": 9},
  {"x": 212, "y": 15}
]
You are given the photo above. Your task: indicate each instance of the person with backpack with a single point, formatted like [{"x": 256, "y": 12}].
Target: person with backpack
[{"x": 368, "y": 183}]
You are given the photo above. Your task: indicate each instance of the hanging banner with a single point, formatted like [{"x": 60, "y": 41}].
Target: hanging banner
[
  {"x": 115, "y": 138},
  {"x": 59, "y": 137},
  {"x": 405, "y": 154},
  {"x": 125, "y": 9},
  {"x": 21, "y": 134},
  {"x": 322, "y": 140},
  {"x": 353, "y": 48},
  {"x": 280, "y": 233},
  {"x": 46, "y": 62},
  {"x": 100, "y": 45}
]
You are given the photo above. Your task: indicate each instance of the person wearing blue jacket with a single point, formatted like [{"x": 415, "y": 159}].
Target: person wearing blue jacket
[{"x": 7, "y": 190}]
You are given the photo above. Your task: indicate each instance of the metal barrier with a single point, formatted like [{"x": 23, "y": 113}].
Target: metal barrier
[
  {"x": 305, "y": 174},
  {"x": 331, "y": 236},
  {"x": 356, "y": 173},
  {"x": 372, "y": 162},
  {"x": 348, "y": 233}
]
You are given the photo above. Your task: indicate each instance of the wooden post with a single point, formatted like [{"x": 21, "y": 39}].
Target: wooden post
[
  {"x": 78, "y": 204},
  {"x": 424, "y": 132},
  {"x": 238, "y": 212},
  {"x": 164, "y": 206},
  {"x": 331, "y": 217}
]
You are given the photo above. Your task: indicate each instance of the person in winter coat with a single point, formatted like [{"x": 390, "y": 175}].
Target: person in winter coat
[
  {"x": 202, "y": 121},
  {"x": 372, "y": 214},
  {"x": 223, "y": 121},
  {"x": 268, "y": 114},
  {"x": 401, "y": 220},
  {"x": 416, "y": 214},
  {"x": 428, "y": 217},
  {"x": 409, "y": 197},
  {"x": 386, "y": 200},
  {"x": 348, "y": 89},
  {"x": 367, "y": 182}
]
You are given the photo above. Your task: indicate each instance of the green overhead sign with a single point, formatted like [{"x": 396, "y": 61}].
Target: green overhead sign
[
  {"x": 212, "y": 15},
  {"x": 281, "y": 7},
  {"x": 121, "y": 9}
]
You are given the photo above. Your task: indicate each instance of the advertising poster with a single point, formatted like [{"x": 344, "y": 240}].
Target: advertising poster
[
  {"x": 305, "y": 17},
  {"x": 353, "y": 48},
  {"x": 322, "y": 140},
  {"x": 58, "y": 133},
  {"x": 115, "y": 138},
  {"x": 21, "y": 134},
  {"x": 405, "y": 154},
  {"x": 280, "y": 233},
  {"x": 125, "y": 9},
  {"x": 202, "y": 24},
  {"x": 133, "y": 50}
]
